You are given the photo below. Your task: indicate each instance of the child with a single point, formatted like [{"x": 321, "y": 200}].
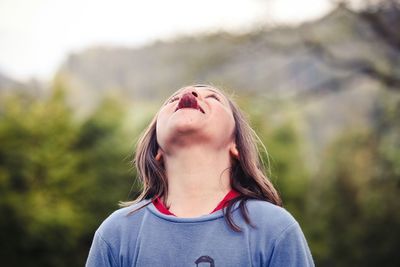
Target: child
[{"x": 205, "y": 198}]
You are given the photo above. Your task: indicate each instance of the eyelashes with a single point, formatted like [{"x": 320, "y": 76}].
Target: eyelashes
[
  {"x": 173, "y": 99},
  {"x": 212, "y": 96}
]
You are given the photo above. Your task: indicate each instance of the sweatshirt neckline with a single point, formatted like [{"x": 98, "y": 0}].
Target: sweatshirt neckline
[
  {"x": 158, "y": 203},
  {"x": 207, "y": 217}
]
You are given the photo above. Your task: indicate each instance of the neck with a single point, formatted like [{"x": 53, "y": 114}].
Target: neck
[{"x": 198, "y": 179}]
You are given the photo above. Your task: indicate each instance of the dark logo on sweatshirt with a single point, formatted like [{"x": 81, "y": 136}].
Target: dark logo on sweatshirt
[{"x": 206, "y": 259}]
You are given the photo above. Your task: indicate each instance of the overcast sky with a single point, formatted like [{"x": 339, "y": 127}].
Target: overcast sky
[{"x": 37, "y": 35}]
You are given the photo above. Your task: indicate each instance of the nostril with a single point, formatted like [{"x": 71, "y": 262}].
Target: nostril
[{"x": 195, "y": 94}]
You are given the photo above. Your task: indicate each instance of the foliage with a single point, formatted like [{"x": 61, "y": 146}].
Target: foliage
[
  {"x": 353, "y": 211},
  {"x": 58, "y": 179}
]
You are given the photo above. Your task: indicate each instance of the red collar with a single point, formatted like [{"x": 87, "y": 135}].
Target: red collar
[{"x": 161, "y": 207}]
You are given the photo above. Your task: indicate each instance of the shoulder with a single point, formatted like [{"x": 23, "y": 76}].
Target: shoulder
[
  {"x": 278, "y": 236},
  {"x": 114, "y": 234},
  {"x": 122, "y": 220},
  {"x": 268, "y": 216},
  {"x": 266, "y": 211}
]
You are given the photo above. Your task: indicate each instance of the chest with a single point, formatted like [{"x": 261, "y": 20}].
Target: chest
[{"x": 211, "y": 244}]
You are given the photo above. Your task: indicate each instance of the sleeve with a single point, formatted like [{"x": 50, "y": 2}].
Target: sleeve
[
  {"x": 100, "y": 254},
  {"x": 291, "y": 249}
]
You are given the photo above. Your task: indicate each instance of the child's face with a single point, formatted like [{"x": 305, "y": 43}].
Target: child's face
[{"x": 213, "y": 125}]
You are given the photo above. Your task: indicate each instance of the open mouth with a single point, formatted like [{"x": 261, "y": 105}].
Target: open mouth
[{"x": 189, "y": 101}]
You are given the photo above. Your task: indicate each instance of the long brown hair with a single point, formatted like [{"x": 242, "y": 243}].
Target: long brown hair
[{"x": 247, "y": 172}]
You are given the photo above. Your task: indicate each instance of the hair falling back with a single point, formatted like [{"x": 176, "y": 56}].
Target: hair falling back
[{"x": 247, "y": 172}]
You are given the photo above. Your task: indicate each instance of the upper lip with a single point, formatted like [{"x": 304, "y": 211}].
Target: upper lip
[{"x": 189, "y": 101}]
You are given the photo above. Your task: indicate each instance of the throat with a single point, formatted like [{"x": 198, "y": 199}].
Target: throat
[{"x": 198, "y": 178}]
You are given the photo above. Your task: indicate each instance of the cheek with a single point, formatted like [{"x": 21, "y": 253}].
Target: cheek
[
  {"x": 163, "y": 115},
  {"x": 160, "y": 128},
  {"x": 224, "y": 120}
]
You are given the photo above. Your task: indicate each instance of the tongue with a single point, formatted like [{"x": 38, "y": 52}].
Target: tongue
[{"x": 188, "y": 101}]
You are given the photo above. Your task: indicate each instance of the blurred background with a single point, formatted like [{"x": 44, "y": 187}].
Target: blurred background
[{"x": 318, "y": 79}]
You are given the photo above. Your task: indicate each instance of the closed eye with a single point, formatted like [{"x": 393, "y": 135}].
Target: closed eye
[
  {"x": 214, "y": 96},
  {"x": 173, "y": 99}
]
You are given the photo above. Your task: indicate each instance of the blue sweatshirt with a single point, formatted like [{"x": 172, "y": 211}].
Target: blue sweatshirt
[{"x": 148, "y": 237}]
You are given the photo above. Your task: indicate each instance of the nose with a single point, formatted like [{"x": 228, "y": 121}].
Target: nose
[{"x": 190, "y": 91}]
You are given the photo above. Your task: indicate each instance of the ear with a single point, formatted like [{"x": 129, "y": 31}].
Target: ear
[
  {"x": 234, "y": 151},
  {"x": 159, "y": 155}
]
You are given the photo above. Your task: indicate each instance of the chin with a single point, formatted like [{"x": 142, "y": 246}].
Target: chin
[
  {"x": 187, "y": 127},
  {"x": 191, "y": 130},
  {"x": 188, "y": 123}
]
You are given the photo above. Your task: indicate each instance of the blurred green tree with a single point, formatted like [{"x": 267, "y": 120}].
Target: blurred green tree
[
  {"x": 58, "y": 178},
  {"x": 353, "y": 210}
]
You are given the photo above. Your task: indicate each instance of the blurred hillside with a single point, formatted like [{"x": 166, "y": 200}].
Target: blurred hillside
[
  {"x": 274, "y": 62},
  {"x": 279, "y": 65}
]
